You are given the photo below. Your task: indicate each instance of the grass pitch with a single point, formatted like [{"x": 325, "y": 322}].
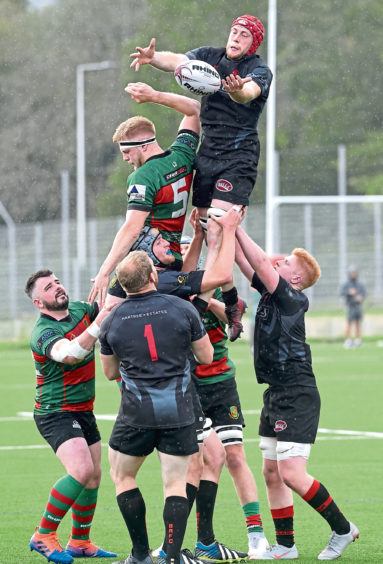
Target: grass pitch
[{"x": 347, "y": 458}]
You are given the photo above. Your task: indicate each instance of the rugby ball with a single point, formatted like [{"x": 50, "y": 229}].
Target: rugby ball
[{"x": 197, "y": 77}]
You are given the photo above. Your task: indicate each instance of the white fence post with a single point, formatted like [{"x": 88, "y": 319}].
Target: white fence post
[
  {"x": 11, "y": 261},
  {"x": 65, "y": 229}
]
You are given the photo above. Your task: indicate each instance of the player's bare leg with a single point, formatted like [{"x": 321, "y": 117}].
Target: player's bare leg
[
  {"x": 246, "y": 489},
  {"x": 235, "y": 307}
]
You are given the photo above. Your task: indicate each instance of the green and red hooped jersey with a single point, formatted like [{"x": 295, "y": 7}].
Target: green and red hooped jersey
[
  {"x": 222, "y": 367},
  {"x": 162, "y": 186},
  {"x": 59, "y": 386}
]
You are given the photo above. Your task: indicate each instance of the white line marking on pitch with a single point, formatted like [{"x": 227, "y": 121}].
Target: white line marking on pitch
[{"x": 340, "y": 434}]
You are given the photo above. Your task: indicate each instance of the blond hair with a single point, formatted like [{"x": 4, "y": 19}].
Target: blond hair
[
  {"x": 134, "y": 271},
  {"x": 137, "y": 126},
  {"x": 310, "y": 267}
]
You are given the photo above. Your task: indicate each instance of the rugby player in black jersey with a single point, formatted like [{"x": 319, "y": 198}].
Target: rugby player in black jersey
[
  {"x": 186, "y": 284},
  {"x": 227, "y": 159},
  {"x": 147, "y": 340},
  {"x": 290, "y": 414}
]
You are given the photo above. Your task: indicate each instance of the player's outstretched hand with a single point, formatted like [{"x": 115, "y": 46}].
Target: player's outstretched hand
[
  {"x": 143, "y": 56},
  {"x": 231, "y": 219},
  {"x": 100, "y": 289},
  {"x": 195, "y": 223},
  {"x": 234, "y": 83},
  {"x": 141, "y": 92}
]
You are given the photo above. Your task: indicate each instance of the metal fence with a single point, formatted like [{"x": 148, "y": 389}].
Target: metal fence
[{"x": 53, "y": 245}]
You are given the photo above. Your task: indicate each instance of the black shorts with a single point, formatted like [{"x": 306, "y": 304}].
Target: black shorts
[
  {"x": 230, "y": 180},
  {"x": 290, "y": 413},
  {"x": 354, "y": 314},
  {"x": 58, "y": 427},
  {"x": 220, "y": 402},
  {"x": 179, "y": 441},
  {"x": 199, "y": 416}
]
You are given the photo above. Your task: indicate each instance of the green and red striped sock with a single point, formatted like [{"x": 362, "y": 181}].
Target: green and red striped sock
[
  {"x": 253, "y": 517},
  {"x": 61, "y": 498},
  {"x": 82, "y": 514}
]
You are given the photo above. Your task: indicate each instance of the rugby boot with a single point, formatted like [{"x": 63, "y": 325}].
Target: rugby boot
[
  {"x": 338, "y": 543},
  {"x": 49, "y": 546},
  {"x": 279, "y": 552},
  {"x": 186, "y": 557},
  {"x": 79, "y": 548},
  {"x": 157, "y": 551},
  {"x": 218, "y": 552},
  {"x": 234, "y": 315},
  {"x": 257, "y": 545},
  {"x": 134, "y": 560}
]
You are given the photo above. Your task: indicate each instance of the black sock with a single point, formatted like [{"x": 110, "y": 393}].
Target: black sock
[
  {"x": 191, "y": 492},
  {"x": 230, "y": 297},
  {"x": 205, "y": 502},
  {"x": 319, "y": 498},
  {"x": 284, "y": 525},
  {"x": 132, "y": 507},
  {"x": 176, "y": 511}
]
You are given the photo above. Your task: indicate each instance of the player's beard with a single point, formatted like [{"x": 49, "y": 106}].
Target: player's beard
[{"x": 59, "y": 303}]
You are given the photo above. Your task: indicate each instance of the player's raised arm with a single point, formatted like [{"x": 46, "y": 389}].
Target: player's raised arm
[
  {"x": 162, "y": 60},
  {"x": 203, "y": 350},
  {"x": 258, "y": 260},
  {"x": 126, "y": 236},
  {"x": 221, "y": 272},
  {"x": 190, "y": 108}
]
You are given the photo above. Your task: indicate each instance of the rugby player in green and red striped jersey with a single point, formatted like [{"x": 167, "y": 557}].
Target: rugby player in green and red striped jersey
[
  {"x": 158, "y": 189},
  {"x": 62, "y": 343}
]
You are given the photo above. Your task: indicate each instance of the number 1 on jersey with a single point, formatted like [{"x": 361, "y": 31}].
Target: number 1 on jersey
[{"x": 148, "y": 334}]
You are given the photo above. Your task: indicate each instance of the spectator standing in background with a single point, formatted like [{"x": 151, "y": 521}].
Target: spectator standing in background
[{"x": 354, "y": 294}]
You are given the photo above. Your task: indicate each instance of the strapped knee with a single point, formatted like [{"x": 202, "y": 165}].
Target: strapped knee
[
  {"x": 202, "y": 434},
  {"x": 268, "y": 446},
  {"x": 286, "y": 450},
  {"x": 229, "y": 434}
]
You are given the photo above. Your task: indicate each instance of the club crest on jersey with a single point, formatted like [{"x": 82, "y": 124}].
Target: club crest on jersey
[
  {"x": 137, "y": 192},
  {"x": 233, "y": 412},
  {"x": 224, "y": 185},
  {"x": 280, "y": 425}
]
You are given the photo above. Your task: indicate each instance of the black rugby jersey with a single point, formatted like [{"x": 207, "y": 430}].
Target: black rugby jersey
[
  {"x": 173, "y": 282},
  {"x": 281, "y": 355},
  {"x": 151, "y": 334},
  {"x": 226, "y": 124}
]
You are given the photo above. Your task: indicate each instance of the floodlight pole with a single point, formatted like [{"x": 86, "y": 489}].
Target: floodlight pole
[
  {"x": 81, "y": 178},
  {"x": 270, "y": 128}
]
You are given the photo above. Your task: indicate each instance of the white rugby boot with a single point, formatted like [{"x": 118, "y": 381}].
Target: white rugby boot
[
  {"x": 257, "y": 545},
  {"x": 338, "y": 544}
]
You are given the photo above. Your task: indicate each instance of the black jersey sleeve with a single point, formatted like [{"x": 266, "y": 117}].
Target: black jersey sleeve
[
  {"x": 197, "y": 327},
  {"x": 262, "y": 75},
  {"x": 181, "y": 284},
  {"x": 257, "y": 283},
  {"x": 105, "y": 348},
  {"x": 288, "y": 299}
]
